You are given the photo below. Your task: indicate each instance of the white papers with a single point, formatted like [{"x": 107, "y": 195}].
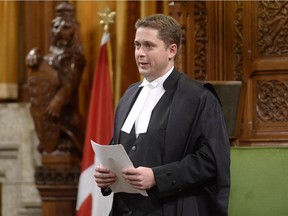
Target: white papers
[{"x": 115, "y": 158}]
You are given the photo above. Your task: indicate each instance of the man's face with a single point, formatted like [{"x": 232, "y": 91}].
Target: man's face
[{"x": 151, "y": 55}]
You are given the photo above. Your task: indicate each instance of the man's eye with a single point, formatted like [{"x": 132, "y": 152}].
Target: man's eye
[
  {"x": 148, "y": 45},
  {"x": 137, "y": 46}
]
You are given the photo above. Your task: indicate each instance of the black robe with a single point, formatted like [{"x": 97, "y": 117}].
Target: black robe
[{"x": 194, "y": 177}]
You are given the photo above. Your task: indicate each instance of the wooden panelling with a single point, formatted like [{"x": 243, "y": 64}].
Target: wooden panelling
[
  {"x": 266, "y": 109},
  {"x": 242, "y": 41}
]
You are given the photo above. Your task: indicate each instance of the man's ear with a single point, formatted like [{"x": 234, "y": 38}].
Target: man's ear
[{"x": 173, "y": 50}]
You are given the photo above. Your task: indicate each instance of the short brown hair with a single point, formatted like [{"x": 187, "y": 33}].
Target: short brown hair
[{"x": 169, "y": 29}]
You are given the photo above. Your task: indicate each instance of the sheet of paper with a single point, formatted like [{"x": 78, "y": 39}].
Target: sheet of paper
[{"x": 115, "y": 158}]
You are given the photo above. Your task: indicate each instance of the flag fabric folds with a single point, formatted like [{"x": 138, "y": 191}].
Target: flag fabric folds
[{"x": 90, "y": 201}]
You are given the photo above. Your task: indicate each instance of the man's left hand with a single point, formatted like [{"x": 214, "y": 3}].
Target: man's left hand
[{"x": 141, "y": 178}]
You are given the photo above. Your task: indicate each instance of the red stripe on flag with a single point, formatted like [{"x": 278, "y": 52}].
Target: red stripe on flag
[{"x": 86, "y": 207}]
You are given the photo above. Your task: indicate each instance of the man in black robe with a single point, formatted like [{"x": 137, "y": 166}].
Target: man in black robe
[{"x": 176, "y": 136}]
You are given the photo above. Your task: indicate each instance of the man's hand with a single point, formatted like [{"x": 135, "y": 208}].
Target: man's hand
[
  {"x": 104, "y": 177},
  {"x": 141, "y": 178}
]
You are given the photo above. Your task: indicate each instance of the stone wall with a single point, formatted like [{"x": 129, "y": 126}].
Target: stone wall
[{"x": 18, "y": 158}]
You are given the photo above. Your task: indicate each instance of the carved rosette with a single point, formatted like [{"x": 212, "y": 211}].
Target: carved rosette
[
  {"x": 272, "y": 101},
  {"x": 201, "y": 40},
  {"x": 272, "y": 27}
]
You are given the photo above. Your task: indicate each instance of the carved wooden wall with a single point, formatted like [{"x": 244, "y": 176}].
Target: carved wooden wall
[
  {"x": 243, "y": 41},
  {"x": 212, "y": 39},
  {"x": 266, "y": 68}
]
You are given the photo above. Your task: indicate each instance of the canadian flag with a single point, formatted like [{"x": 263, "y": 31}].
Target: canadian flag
[{"x": 90, "y": 201}]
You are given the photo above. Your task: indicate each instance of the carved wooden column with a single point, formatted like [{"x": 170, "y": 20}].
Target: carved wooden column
[
  {"x": 200, "y": 45},
  {"x": 53, "y": 83},
  {"x": 183, "y": 12}
]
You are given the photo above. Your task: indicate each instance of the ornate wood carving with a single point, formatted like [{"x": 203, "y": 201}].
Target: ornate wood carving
[
  {"x": 265, "y": 70},
  {"x": 272, "y": 101},
  {"x": 51, "y": 176},
  {"x": 183, "y": 13},
  {"x": 244, "y": 41},
  {"x": 273, "y": 27},
  {"x": 53, "y": 83},
  {"x": 201, "y": 39},
  {"x": 238, "y": 49},
  {"x": 181, "y": 56}
]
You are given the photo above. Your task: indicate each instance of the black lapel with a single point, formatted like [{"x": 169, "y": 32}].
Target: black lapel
[{"x": 165, "y": 101}]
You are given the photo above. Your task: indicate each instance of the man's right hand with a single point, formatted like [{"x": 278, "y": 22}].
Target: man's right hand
[{"x": 104, "y": 177}]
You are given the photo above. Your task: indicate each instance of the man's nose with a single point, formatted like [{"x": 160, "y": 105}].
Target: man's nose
[{"x": 140, "y": 51}]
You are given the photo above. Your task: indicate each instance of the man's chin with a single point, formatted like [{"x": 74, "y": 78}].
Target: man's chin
[{"x": 143, "y": 72}]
